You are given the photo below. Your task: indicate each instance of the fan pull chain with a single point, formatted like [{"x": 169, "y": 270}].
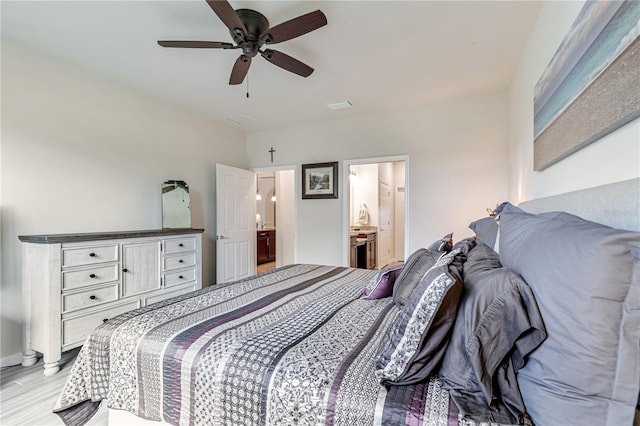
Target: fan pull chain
[{"x": 247, "y": 85}]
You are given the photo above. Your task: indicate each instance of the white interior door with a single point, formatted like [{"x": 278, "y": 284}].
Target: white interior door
[
  {"x": 399, "y": 223},
  {"x": 286, "y": 218},
  {"x": 384, "y": 215},
  {"x": 235, "y": 223}
]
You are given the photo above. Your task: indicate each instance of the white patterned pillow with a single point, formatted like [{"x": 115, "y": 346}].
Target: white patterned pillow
[{"x": 418, "y": 339}]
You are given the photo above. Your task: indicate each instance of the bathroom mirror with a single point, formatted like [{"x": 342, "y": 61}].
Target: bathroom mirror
[
  {"x": 266, "y": 205},
  {"x": 176, "y": 211}
]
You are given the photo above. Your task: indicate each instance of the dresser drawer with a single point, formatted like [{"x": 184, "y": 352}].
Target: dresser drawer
[
  {"x": 175, "y": 262},
  {"x": 75, "y": 330},
  {"x": 78, "y": 256},
  {"x": 176, "y": 291},
  {"x": 177, "y": 245},
  {"x": 179, "y": 277},
  {"x": 88, "y": 298},
  {"x": 79, "y": 278}
]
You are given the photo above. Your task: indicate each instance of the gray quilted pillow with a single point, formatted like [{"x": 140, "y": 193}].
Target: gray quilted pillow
[
  {"x": 416, "y": 266},
  {"x": 414, "y": 269}
]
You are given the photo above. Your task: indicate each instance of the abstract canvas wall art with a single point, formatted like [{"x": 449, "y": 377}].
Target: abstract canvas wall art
[{"x": 592, "y": 84}]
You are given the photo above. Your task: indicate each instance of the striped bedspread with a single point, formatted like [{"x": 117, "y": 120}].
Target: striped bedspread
[{"x": 296, "y": 345}]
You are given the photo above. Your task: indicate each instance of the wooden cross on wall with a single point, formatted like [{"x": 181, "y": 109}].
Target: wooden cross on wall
[{"x": 271, "y": 151}]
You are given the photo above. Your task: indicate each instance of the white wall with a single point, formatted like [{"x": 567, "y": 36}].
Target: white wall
[
  {"x": 613, "y": 158},
  {"x": 365, "y": 192},
  {"x": 457, "y": 167},
  {"x": 81, "y": 154}
]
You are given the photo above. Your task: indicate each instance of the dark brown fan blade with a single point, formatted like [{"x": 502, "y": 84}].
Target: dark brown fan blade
[
  {"x": 287, "y": 62},
  {"x": 240, "y": 69},
  {"x": 196, "y": 44},
  {"x": 227, "y": 15},
  {"x": 295, "y": 27}
]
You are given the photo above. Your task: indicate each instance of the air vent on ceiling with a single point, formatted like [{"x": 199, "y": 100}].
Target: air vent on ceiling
[
  {"x": 241, "y": 119},
  {"x": 339, "y": 104}
]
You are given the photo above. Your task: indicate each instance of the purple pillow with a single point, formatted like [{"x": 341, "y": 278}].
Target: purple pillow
[{"x": 382, "y": 286}]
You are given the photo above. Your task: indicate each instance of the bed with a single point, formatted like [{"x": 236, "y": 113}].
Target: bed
[{"x": 413, "y": 344}]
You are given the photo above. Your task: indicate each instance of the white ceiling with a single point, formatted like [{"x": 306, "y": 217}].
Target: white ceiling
[{"x": 381, "y": 55}]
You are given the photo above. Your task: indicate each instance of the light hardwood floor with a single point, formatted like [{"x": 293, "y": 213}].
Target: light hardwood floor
[
  {"x": 265, "y": 267},
  {"x": 27, "y": 396}
]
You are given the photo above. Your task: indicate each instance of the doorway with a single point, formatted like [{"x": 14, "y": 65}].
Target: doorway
[
  {"x": 275, "y": 218},
  {"x": 376, "y": 211}
]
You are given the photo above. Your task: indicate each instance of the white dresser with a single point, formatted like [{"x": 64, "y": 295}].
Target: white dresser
[{"x": 74, "y": 282}]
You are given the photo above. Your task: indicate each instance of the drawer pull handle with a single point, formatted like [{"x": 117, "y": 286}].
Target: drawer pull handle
[
  {"x": 92, "y": 254},
  {"x": 92, "y": 275},
  {"x": 92, "y": 297},
  {"x": 181, "y": 261},
  {"x": 181, "y": 277},
  {"x": 105, "y": 320},
  {"x": 180, "y": 245},
  {"x": 125, "y": 270}
]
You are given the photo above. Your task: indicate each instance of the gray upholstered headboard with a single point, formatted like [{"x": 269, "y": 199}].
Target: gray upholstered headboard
[{"x": 615, "y": 204}]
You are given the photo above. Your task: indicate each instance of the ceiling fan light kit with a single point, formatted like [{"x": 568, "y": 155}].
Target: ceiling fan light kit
[{"x": 250, "y": 32}]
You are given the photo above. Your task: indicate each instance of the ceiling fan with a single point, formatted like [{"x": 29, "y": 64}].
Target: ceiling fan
[{"x": 250, "y": 32}]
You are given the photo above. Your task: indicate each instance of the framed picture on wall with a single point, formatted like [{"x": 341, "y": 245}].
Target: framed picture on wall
[{"x": 320, "y": 180}]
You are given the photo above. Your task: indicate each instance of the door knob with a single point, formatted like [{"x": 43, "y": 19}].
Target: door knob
[{"x": 220, "y": 237}]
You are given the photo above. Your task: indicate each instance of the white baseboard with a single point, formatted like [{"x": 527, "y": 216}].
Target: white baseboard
[{"x": 8, "y": 361}]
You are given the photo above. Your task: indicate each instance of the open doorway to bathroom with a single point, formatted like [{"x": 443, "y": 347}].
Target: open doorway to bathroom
[
  {"x": 377, "y": 212},
  {"x": 275, "y": 219}
]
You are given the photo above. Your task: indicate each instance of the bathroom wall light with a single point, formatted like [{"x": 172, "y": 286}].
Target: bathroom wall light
[
  {"x": 273, "y": 197},
  {"x": 258, "y": 196}
]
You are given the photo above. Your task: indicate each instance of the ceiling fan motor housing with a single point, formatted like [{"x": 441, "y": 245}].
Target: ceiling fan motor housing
[{"x": 255, "y": 23}]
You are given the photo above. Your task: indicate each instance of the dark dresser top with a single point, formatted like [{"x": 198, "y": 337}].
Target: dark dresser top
[{"x": 92, "y": 236}]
